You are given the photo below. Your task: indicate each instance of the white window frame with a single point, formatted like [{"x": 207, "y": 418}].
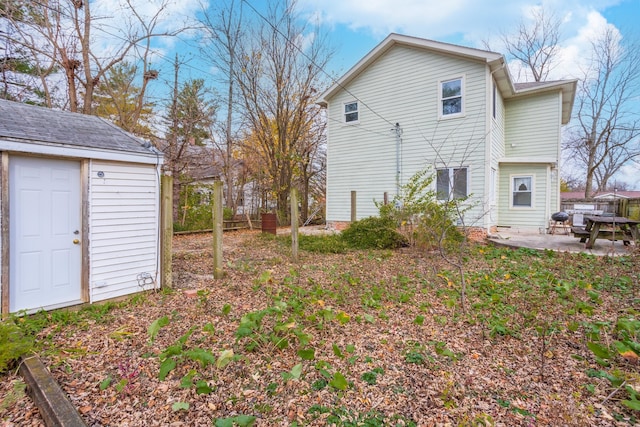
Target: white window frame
[
  {"x": 441, "y": 99},
  {"x": 512, "y": 191},
  {"x": 345, "y": 113},
  {"x": 494, "y": 102},
  {"x": 452, "y": 172}
]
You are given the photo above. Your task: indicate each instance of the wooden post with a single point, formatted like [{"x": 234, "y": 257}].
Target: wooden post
[
  {"x": 166, "y": 217},
  {"x": 353, "y": 207},
  {"x": 294, "y": 224},
  {"x": 217, "y": 230},
  {"x": 4, "y": 228},
  {"x": 385, "y": 198}
]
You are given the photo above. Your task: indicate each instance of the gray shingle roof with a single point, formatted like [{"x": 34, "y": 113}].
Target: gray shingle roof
[{"x": 29, "y": 123}]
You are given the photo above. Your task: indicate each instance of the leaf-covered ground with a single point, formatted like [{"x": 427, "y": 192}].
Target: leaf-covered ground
[{"x": 359, "y": 338}]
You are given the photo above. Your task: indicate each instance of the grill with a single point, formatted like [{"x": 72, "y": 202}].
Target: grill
[{"x": 559, "y": 219}]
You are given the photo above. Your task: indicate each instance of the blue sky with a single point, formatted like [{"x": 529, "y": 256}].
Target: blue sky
[
  {"x": 357, "y": 26},
  {"x": 354, "y": 27}
]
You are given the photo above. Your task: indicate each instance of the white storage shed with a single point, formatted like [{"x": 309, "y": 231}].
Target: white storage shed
[{"x": 80, "y": 210}]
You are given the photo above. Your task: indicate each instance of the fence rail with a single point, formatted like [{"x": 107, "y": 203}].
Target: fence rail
[{"x": 227, "y": 225}]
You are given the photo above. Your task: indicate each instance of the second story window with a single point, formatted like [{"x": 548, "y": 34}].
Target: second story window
[
  {"x": 451, "y": 98},
  {"x": 351, "y": 112}
]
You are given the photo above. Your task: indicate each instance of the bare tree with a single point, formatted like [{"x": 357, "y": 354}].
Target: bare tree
[
  {"x": 60, "y": 34},
  {"x": 279, "y": 72},
  {"x": 535, "y": 43},
  {"x": 224, "y": 31},
  {"x": 26, "y": 69},
  {"x": 606, "y": 135}
]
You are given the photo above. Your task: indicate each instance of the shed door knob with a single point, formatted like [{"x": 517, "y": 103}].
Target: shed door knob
[{"x": 76, "y": 241}]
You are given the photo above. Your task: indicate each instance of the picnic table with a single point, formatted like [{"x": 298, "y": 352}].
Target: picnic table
[{"x": 607, "y": 227}]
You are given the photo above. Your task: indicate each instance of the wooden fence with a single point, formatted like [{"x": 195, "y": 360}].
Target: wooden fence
[{"x": 628, "y": 208}]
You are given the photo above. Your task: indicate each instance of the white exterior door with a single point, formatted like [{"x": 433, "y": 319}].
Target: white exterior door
[{"x": 45, "y": 233}]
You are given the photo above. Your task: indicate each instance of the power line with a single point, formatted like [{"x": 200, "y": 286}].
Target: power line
[
  {"x": 208, "y": 73},
  {"x": 314, "y": 63}
]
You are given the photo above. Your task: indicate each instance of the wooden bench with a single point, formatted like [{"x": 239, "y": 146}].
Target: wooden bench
[
  {"x": 584, "y": 235},
  {"x": 580, "y": 232}
]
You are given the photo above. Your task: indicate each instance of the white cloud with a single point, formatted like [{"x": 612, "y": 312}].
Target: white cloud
[
  {"x": 469, "y": 22},
  {"x": 114, "y": 20}
]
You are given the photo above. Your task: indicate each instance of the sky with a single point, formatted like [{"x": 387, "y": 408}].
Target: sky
[{"x": 354, "y": 27}]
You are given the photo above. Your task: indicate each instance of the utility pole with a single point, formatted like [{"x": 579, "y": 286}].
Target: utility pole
[{"x": 173, "y": 143}]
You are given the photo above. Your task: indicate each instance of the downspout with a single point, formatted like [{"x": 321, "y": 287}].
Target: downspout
[
  {"x": 492, "y": 216},
  {"x": 398, "y": 130},
  {"x": 547, "y": 209}
]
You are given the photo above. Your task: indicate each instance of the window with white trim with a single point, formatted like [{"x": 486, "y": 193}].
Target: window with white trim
[
  {"x": 494, "y": 102},
  {"x": 522, "y": 190},
  {"x": 351, "y": 112},
  {"x": 451, "y": 183},
  {"x": 451, "y": 97}
]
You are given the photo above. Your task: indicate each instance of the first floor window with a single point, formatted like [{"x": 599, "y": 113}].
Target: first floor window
[
  {"x": 522, "y": 191},
  {"x": 451, "y": 183},
  {"x": 351, "y": 112}
]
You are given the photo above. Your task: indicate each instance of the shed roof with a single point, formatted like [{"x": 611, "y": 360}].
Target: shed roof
[{"x": 31, "y": 124}]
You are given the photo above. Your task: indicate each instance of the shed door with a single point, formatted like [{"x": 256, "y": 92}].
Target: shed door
[{"x": 45, "y": 249}]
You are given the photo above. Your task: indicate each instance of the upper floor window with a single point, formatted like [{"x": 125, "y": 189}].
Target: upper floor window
[
  {"x": 522, "y": 191},
  {"x": 351, "y": 112},
  {"x": 451, "y": 97},
  {"x": 494, "y": 102},
  {"x": 451, "y": 183}
]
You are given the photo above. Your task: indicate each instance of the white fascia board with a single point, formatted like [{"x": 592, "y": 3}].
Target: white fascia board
[
  {"x": 523, "y": 160},
  {"x": 79, "y": 152}
]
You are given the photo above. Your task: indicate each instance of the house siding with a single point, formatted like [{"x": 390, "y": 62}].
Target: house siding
[
  {"x": 532, "y": 218},
  {"x": 497, "y": 151},
  {"x": 362, "y": 157},
  {"x": 532, "y": 126},
  {"x": 123, "y": 234}
]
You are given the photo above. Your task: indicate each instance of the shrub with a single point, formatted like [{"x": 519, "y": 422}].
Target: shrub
[
  {"x": 326, "y": 244},
  {"x": 13, "y": 344},
  {"x": 374, "y": 233}
]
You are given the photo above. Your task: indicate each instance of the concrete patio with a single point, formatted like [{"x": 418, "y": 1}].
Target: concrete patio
[{"x": 559, "y": 241}]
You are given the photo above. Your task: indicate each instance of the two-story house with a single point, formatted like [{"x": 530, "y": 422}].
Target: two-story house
[{"x": 412, "y": 103}]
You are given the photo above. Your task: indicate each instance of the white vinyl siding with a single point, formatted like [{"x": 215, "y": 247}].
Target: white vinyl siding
[
  {"x": 532, "y": 126},
  {"x": 363, "y": 158},
  {"x": 534, "y": 217},
  {"x": 123, "y": 227}
]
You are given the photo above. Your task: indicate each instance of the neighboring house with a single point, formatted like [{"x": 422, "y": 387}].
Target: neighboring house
[
  {"x": 412, "y": 103},
  {"x": 601, "y": 195},
  {"x": 247, "y": 198},
  {"x": 79, "y": 209}
]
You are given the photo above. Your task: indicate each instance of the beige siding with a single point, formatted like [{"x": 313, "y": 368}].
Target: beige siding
[
  {"x": 402, "y": 87},
  {"x": 533, "y": 126},
  {"x": 497, "y": 152},
  {"x": 535, "y": 217},
  {"x": 123, "y": 227}
]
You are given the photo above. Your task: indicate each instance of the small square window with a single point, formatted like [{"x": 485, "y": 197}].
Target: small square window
[
  {"x": 522, "y": 191},
  {"x": 351, "y": 112}
]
